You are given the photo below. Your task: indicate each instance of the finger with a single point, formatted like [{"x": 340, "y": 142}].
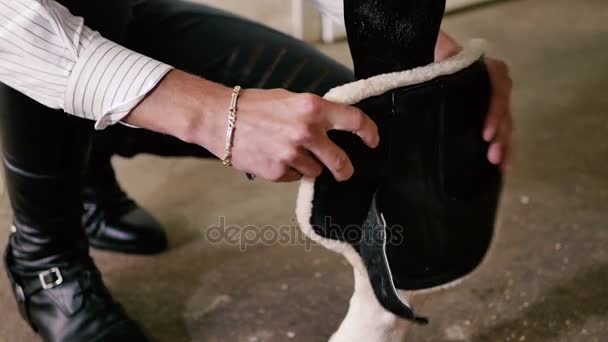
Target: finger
[
  {"x": 495, "y": 153},
  {"x": 290, "y": 176},
  {"x": 500, "y": 97},
  {"x": 307, "y": 165},
  {"x": 352, "y": 119},
  {"x": 334, "y": 158},
  {"x": 500, "y": 107},
  {"x": 498, "y": 151},
  {"x": 489, "y": 131},
  {"x": 496, "y": 113}
]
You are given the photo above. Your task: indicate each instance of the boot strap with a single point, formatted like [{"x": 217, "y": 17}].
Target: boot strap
[
  {"x": 31, "y": 285},
  {"x": 373, "y": 252},
  {"x": 47, "y": 280}
]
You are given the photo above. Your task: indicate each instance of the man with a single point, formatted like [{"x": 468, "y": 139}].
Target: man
[{"x": 134, "y": 61}]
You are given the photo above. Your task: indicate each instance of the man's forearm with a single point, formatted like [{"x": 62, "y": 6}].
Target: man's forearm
[{"x": 183, "y": 105}]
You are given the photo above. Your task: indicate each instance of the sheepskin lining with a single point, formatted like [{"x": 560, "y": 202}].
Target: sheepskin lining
[{"x": 355, "y": 92}]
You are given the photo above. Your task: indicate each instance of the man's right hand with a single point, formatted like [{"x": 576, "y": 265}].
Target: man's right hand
[{"x": 280, "y": 136}]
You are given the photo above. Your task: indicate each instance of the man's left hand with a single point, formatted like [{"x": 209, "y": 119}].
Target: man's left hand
[{"x": 499, "y": 123}]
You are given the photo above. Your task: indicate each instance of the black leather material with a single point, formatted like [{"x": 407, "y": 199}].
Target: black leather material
[
  {"x": 420, "y": 208},
  {"x": 43, "y": 171},
  {"x": 121, "y": 226},
  {"x": 372, "y": 248},
  {"x": 77, "y": 310},
  {"x": 228, "y": 57},
  {"x": 111, "y": 219},
  {"x": 127, "y": 142}
]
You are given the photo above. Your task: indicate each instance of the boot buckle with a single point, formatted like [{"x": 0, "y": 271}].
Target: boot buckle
[{"x": 50, "y": 278}]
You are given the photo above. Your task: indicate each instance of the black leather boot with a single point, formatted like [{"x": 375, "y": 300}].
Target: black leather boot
[
  {"x": 58, "y": 288},
  {"x": 112, "y": 220}
]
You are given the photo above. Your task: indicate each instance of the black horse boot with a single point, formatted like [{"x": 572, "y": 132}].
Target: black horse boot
[
  {"x": 58, "y": 288},
  {"x": 419, "y": 211}
]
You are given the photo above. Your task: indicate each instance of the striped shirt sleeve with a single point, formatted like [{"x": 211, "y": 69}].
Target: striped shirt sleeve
[{"x": 49, "y": 55}]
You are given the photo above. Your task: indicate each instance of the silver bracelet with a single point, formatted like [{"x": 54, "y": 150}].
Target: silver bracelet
[{"x": 227, "y": 160}]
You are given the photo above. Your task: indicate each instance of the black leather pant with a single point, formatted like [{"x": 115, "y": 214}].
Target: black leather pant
[{"x": 218, "y": 46}]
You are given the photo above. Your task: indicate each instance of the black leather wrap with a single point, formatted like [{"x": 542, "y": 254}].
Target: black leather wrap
[
  {"x": 433, "y": 183},
  {"x": 421, "y": 207}
]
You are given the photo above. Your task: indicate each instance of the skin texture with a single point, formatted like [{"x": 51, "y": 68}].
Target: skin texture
[
  {"x": 280, "y": 135},
  {"x": 499, "y": 125}
]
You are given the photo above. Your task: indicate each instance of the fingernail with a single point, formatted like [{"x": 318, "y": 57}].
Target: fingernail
[
  {"x": 488, "y": 134},
  {"x": 494, "y": 155}
]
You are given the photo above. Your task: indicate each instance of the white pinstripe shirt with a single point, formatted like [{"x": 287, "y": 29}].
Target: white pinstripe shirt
[{"x": 49, "y": 55}]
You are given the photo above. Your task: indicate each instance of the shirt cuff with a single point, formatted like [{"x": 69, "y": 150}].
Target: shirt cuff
[{"x": 109, "y": 80}]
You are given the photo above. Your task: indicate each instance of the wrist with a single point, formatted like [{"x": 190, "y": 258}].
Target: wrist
[
  {"x": 205, "y": 114},
  {"x": 186, "y": 107}
]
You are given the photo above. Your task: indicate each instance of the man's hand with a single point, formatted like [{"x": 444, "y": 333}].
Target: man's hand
[
  {"x": 499, "y": 124},
  {"x": 280, "y": 136}
]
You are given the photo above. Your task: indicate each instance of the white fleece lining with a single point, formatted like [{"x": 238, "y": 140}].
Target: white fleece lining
[{"x": 355, "y": 92}]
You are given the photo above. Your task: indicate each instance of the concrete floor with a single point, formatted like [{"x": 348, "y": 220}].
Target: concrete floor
[{"x": 546, "y": 278}]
